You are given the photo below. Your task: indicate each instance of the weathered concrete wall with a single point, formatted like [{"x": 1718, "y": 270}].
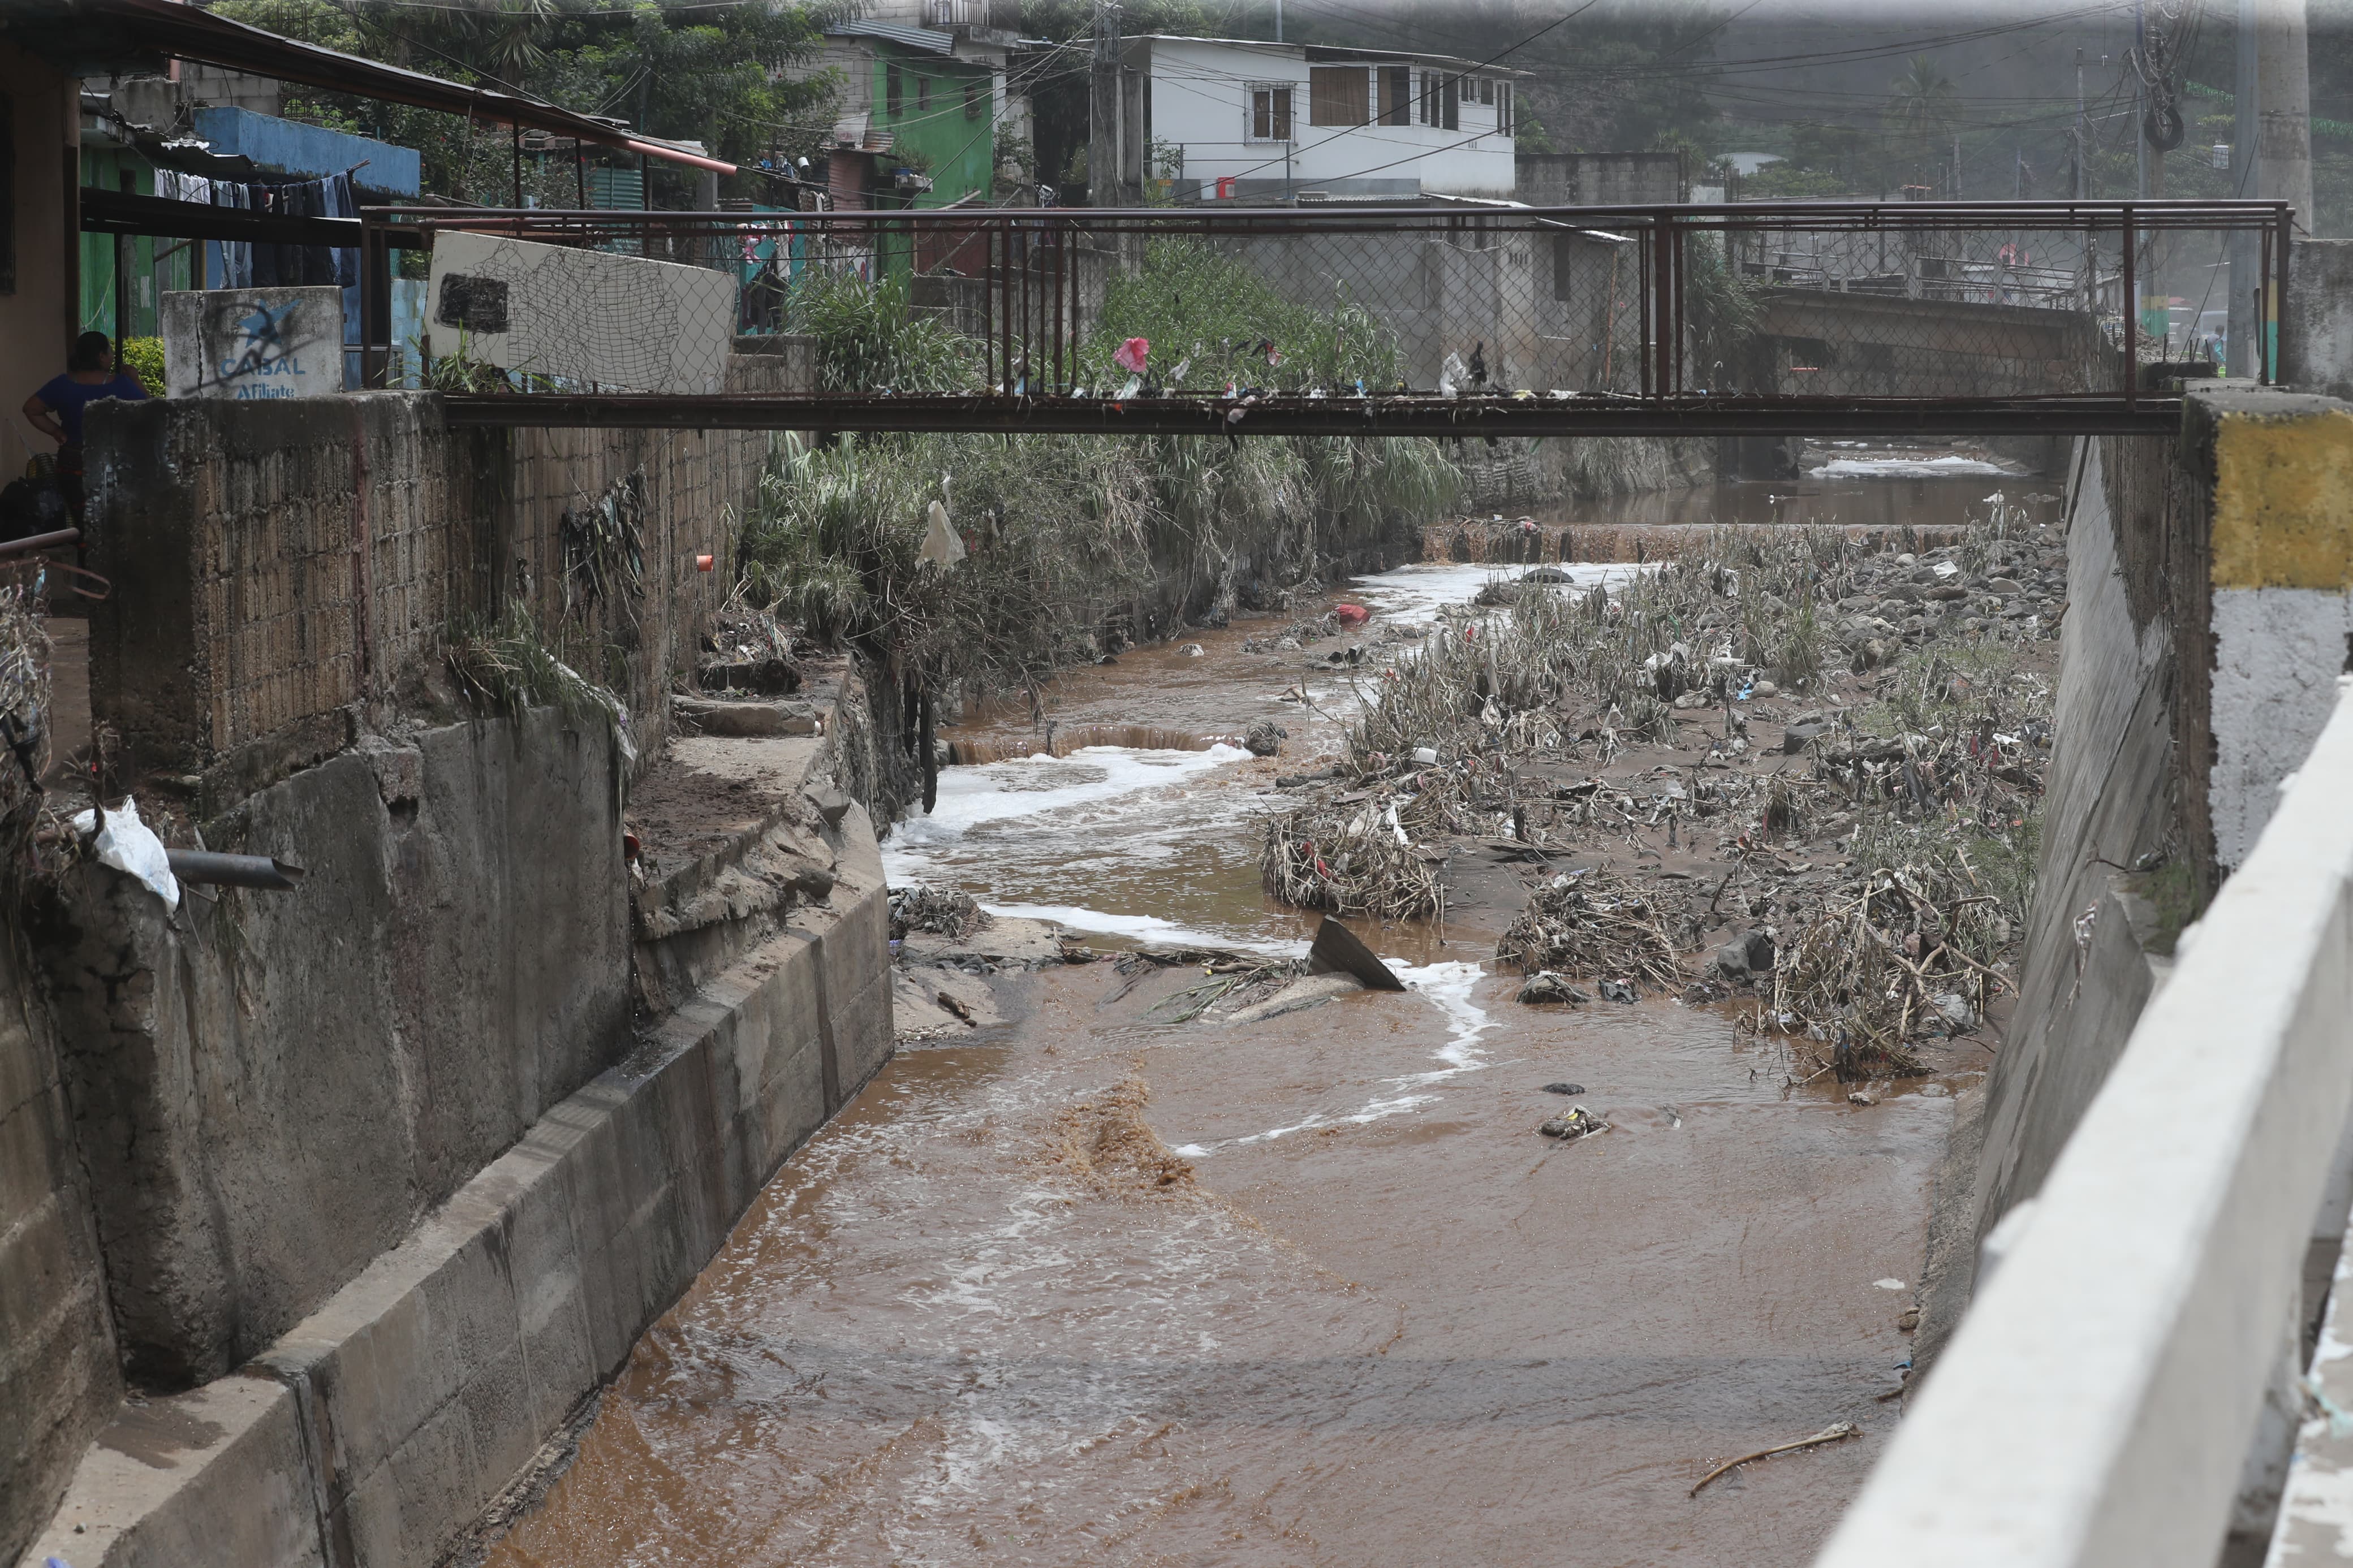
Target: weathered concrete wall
[
  {"x": 2109, "y": 800},
  {"x": 1870, "y": 345},
  {"x": 373, "y": 1432},
  {"x": 2317, "y": 335},
  {"x": 279, "y": 569},
  {"x": 1598, "y": 179},
  {"x": 2280, "y": 566},
  {"x": 268, "y": 1089},
  {"x": 58, "y": 1378},
  {"x": 2208, "y": 619}
]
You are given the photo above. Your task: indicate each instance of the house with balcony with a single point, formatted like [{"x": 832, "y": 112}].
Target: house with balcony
[
  {"x": 1234, "y": 119},
  {"x": 925, "y": 117}
]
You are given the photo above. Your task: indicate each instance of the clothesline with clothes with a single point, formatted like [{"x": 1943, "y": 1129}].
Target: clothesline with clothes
[{"x": 241, "y": 264}]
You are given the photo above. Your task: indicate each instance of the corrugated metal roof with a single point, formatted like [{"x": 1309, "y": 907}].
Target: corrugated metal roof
[
  {"x": 893, "y": 32},
  {"x": 114, "y": 28},
  {"x": 1334, "y": 53}
]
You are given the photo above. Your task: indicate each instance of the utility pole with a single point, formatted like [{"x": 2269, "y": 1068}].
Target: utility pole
[
  {"x": 1278, "y": 21},
  {"x": 2275, "y": 130},
  {"x": 2083, "y": 178},
  {"x": 2156, "y": 303},
  {"x": 1103, "y": 138}
]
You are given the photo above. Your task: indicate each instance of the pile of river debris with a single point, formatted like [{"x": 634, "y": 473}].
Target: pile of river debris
[{"x": 1815, "y": 763}]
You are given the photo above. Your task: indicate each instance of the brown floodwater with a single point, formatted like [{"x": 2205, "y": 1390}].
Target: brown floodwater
[{"x": 1378, "y": 1320}]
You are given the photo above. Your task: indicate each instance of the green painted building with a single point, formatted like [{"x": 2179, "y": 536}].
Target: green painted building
[{"x": 922, "y": 112}]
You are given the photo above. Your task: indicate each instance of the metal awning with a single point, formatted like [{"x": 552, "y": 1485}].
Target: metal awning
[
  {"x": 127, "y": 213},
  {"x": 78, "y": 32}
]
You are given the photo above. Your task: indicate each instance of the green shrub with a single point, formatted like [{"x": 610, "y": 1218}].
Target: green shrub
[{"x": 142, "y": 358}]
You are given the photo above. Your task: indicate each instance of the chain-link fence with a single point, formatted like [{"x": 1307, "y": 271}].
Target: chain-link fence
[{"x": 1770, "y": 305}]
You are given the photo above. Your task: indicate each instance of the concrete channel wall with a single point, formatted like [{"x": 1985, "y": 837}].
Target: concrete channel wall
[
  {"x": 2101, "y": 1402},
  {"x": 366, "y": 1186},
  {"x": 58, "y": 1381},
  {"x": 2207, "y": 619},
  {"x": 2161, "y": 1191},
  {"x": 399, "y": 1353}
]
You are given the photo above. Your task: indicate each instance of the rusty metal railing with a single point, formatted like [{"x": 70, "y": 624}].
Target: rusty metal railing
[{"x": 1449, "y": 317}]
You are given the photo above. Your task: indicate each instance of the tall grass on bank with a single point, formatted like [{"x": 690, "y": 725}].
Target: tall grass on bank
[
  {"x": 1058, "y": 524},
  {"x": 1064, "y": 530}
]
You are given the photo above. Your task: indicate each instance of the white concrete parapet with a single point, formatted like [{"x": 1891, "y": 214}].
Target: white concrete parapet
[{"x": 2099, "y": 1401}]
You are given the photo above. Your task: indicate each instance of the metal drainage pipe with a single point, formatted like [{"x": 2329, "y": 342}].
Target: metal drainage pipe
[{"x": 202, "y": 866}]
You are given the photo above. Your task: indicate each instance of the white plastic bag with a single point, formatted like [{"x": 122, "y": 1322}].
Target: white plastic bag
[
  {"x": 130, "y": 846},
  {"x": 943, "y": 546}
]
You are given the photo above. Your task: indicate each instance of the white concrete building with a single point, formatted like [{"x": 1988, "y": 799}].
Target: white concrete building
[{"x": 1228, "y": 119}]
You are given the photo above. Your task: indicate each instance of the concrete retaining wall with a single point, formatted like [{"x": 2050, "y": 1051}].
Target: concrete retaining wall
[
  {"x": 269, "y": 1088},
  {"x": 372, "y": 1433},
  {"x": 58, "y": 1378},
  {"x": 2109, "y": 800},
  {"x": 2209, "y": 618}
]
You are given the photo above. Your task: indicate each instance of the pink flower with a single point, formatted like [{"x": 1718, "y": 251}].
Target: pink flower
[{"x": 1129, "y": 354}]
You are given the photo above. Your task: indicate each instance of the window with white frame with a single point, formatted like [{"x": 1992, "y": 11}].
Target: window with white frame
[{"x": 1269, "y": 111}]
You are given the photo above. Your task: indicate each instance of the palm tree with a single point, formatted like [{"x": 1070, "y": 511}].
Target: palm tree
[{"x": 1923, "y": 110}]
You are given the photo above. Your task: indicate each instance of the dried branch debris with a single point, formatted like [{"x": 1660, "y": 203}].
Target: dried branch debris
[
  {"x": 1899, "y": 797},
  {"x": 1595, "y": 926},
  {"x": 942, "y": 911}
]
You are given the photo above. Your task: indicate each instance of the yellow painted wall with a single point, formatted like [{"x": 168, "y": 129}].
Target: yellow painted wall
[{"x": 2284, "y": 501}]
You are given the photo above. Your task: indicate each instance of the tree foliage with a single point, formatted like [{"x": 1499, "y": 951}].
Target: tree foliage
[{"x": 714, "y": 74}]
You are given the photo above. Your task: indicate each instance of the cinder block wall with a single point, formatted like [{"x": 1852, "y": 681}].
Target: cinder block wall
[{"x": 281, "y": 569}]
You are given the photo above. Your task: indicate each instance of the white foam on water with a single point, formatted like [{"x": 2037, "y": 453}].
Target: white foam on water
[
  {"x": 1448, "y": 987},
  {"x": 1412, "y": 595},
  {"x": 1128, "y": 825},
  {"x": 1143, "y": 928},
  {"x": 1040, "y": 785},
  {"x": 1907, "y": 468}
]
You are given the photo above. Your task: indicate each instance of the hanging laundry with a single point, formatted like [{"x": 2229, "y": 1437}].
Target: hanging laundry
[
  {"x": 268, "y": 259},
  {"x": 342, "y": 201}
]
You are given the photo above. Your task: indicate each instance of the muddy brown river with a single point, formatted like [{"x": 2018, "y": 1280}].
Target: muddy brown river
[{"x": 1379, "y": 1321}]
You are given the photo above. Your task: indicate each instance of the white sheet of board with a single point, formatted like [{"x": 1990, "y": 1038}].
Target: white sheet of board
[{"x": 585, "y": 316}]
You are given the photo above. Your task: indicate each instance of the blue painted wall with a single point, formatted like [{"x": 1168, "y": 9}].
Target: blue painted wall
[{"x": 292, "y": 148}]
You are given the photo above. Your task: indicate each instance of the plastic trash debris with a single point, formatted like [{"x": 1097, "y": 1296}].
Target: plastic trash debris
[
  {"x": 942, "y": 545},
  {"x": 1192, "y": 650},
  {"x": 1451, "y": 376},
  {"x": 1264, "y": 737},
  {"x": 1426, "y": 755},
  {"x": 1564, "y": 1089},
  {"x": 130, "y": 846},
  {"x": 1546, "y": 986},
  {"x": 1859, "y": 1098},
  {"x": 1131, "y": 354},
  {"x": 1619, "y": 991},
  {"x": 1351, "y": 615},
  {"x": 1572, "y": 1124}
]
